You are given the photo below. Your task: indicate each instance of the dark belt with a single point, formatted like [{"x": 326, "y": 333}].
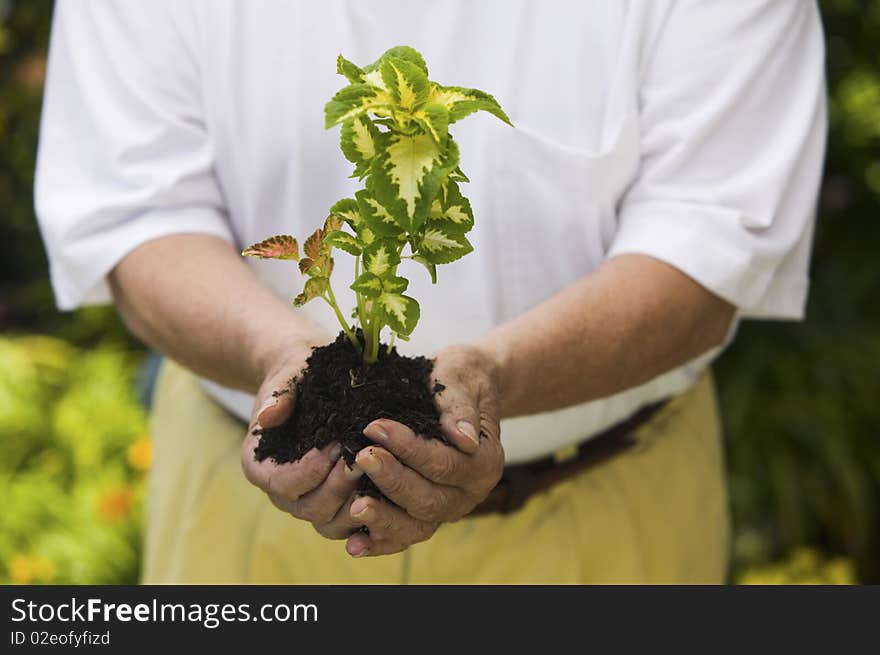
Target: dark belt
[{"x": 519, "y": 482}]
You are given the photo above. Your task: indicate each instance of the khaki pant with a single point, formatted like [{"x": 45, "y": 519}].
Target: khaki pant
[{"x": 655, "y": 514}]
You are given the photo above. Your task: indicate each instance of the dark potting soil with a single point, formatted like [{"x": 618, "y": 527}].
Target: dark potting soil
[{"x": 337, "y": 397}]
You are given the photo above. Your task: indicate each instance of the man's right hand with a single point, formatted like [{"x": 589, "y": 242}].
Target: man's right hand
[{"x": 319, "y": 487}]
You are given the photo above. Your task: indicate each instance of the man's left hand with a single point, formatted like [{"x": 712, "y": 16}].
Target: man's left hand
[{"x": 429, "y": 482}]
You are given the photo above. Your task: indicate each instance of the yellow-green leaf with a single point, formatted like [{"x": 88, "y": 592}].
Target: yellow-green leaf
[
  {"x": 281, "y": 246},
  {"x": 351, "y": 72},
  {"x": 368, "y": 285},
  {"x": 347, "y": 210},
  {"x": 376, "y": 216},
  {"x": 394, "y": 284},
  {"x": 380, "y": 257},
  {"x": 359, "y": 140},
  {"x": 460, "y": 102},
  {"x": 342, "y": 240},
  {"x": 407, "y": 176},
  {"x": 433, "y": 119},
  {"x": 407, "y": 83},
  {"x": 439, "y": 245},
  {"x": 353, "y": 100},
  {"x": 315, "y": 287},
  {"x": 454, "y": 210},
  {"x": 399, "y": 312}
]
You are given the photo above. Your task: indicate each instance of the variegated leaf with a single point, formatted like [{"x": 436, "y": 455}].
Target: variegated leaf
[
  {"x": 375, "y": 216},
  {"x": 351, "y": 72},
  {"x": 315, "y": 287},
  {"x": 434, "y": 119},
  {"x": 394, "y": 284},
  {"x": 432, "y": 267},
  {"x": 366, "y": 236},
  {"x": 332, "y": 223},
  {"x": 407, "y": 175},
  {"x": 404, "y": 52},
  {"x": 460, "y": 102},
  {"x": 342, "y": 240},
  {"x": 453, "y": 211},
  {"x": 407, "y": 83},
  {"x": 399, "y": 312},
  {"x": 347, "y": 210},
  {"x": 380, "y": 257},
  {"x": 354, "y": 100},
  {"x": 458, "y": 175},
  {"x": 312, "y": 246},
  {"x": 368, "y": 284},
  {"x": 282, "y": 246},
  {"x": 439, "y": 245},
  {"x": 359, "y": 141}
]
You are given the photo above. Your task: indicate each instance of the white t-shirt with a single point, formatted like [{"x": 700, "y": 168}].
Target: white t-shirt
[{"x": 690, "y": 131}]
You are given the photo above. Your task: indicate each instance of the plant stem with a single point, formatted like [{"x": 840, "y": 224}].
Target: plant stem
[
  {"x": 331, "y": 300},
  {"x": 361, "y": 308}
]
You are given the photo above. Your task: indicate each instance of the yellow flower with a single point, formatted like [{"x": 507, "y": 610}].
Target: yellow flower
[
  {"x": 140, "y": 454},
  {"x": 115, "y": 503}
]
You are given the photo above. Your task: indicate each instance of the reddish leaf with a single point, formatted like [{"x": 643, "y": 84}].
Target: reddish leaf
[
  {"x": 332, "y": 223},
  {"x": 312, "y": 246},
  {"x": 281, "y": 246}
]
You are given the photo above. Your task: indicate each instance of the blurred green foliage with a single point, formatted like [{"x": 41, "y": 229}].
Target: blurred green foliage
[
  {"x": 75, "y": 449},
  {"x": 800, "y": 401}
]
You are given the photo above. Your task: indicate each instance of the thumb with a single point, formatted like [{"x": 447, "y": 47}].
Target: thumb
[{"x": 275, "y": 400}]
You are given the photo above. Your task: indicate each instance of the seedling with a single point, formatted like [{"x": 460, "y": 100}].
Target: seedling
[{"x": 395, "y": 130}]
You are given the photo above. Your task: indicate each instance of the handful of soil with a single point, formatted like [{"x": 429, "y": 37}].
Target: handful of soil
[{"x": 337, "y": 396}]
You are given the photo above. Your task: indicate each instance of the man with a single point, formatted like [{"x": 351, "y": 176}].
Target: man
[{"x": 658, "y": 187}]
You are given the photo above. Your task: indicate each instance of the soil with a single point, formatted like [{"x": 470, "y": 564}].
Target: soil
[{"x": 338, "y": 396}]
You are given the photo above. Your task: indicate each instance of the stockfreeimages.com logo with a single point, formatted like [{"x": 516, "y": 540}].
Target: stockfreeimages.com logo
[{"x": 209, "y": 615}]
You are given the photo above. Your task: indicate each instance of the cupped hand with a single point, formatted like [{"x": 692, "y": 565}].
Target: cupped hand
[
  {"x": 318, "y": 487},
  {"x": 427, "y": 481}
]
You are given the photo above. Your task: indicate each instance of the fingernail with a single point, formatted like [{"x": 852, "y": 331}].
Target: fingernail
[
  {"x": 271, "y": 401},
  {"x": 468, "y": 430},
  {"x": 360, "y": 552},
  {"x": 335, "y": 452},
  {"x": 370, "y": 463},
  {"x": 358, "y": 507},
  {"x": 375, "y": 432},
  {"x": 352, "y": 473}
]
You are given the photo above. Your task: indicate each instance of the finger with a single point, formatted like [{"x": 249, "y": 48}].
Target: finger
[
  {"x": 432, "y": 458},
  {"x": 292, "y": 479},
  {"x": 322, "y": 503},
  {"x": 274, "y": 402},
  {"x": 420, "y": 498},
  {"x": 391, "y": 530},
  {"x": 343, "y": 525},
  {"x": 459, "y": 411}
]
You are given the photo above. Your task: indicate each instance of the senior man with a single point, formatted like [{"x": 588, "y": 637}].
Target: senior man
[{"x": 659, "y": 186}]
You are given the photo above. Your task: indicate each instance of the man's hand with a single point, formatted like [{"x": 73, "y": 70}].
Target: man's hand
[
  {"x": 427, "y": 481},
  {"x": 319, "y": 487}
]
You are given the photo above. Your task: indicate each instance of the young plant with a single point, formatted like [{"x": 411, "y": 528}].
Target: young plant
[{"x": 395, "y": 130}]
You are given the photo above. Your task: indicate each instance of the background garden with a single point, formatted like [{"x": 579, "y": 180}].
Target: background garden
[{"x": 801, "y": 401}]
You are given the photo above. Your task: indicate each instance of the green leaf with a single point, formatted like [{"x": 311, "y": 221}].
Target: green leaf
[
  {"x": 399, "y": 312},
  {"x": 439, "y": 245},
  {"x": 375, "y": 216},
  {"x": 394, "y": 284},
  {"x": 359, "y": 140},
  {"x": 315, "y": 288},
  {"x": 407, "y": 83},
  {"x": 461, "y": 102},
  {"x": 347, "y": 210},
  {"x": 432, "y": 267},
  {"x": 454, "y": 211},
  {"x": 404, "y": 52},
  {"x": 354, "y": 100},
  {"x": 433, "y": 119},
  {"x": 458, "y": 175},
  {"x": 281, "y": 246},
  {"x": 380, "y": 257},
  {"x": 368, "y": 284},
  {"x": 343, "y": 241},
  {"x": 407, "y": 175},
  {"x": 351, "y": 72}
]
